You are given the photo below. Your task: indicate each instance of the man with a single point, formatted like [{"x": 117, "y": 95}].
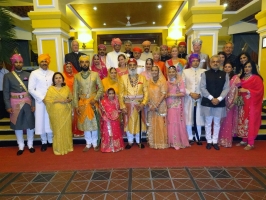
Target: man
[
  {"x": 3, "y": 112},
  {"x": 228, "y": 50},
  {"x": 87, "y": 91},
  {"x": 102, "y": 52},
  {"x": 204, "y": 58},
  {"x": 146, "y": 53},
  {"x": 141, "y": 64},
  {"x": 39, "y": 82},
  {"x": 73, "y": 57},
  {"x": 19, "y": 103},
  {"x": 111, "y": 59},
  {"x": 214, "y": 86},
  {"x": 133, "y": 96},
  {"x": 182, "y": 50},
  {"x": 128, "y": 52},
  {"x": 164, "y": 53},
  {"x": 192, "y": 77}
]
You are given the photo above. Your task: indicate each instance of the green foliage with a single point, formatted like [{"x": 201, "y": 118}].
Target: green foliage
[{"x": 7, "y": 35}]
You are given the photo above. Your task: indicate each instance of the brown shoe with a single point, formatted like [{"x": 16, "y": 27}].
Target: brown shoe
[
  {"x": 86, "y": 149},
  {"x": 96, "y": 148},
  {"x": 249, "y": 147}
]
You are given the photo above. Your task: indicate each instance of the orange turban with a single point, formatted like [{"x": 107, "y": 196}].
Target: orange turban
[
  {"x": 137, "y": 49},
  {"x": 146, "y": 43},
  {"x": 116, "y": 41},
  {"x": 44, "y": 57}
]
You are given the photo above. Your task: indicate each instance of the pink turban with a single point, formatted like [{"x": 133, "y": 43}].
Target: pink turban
[
  {"x": 44, "y": 57},
  {"x": 101, "y": 46},
  {"x": 164, "y": 46},
  {"x": 193, "y": 56},
  {"x": 14, "y": 58},
  {"x": 146, "y": 43},
  {"x": 116, "y": 41}
]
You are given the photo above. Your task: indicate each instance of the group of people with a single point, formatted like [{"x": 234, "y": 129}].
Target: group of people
[{"x": 119, "y": 94}]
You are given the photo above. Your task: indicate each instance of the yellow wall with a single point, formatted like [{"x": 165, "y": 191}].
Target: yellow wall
[
  {"x": 66, "y": 50},
  {"x": 45, "y": 2},
  {"x": 262, "y": 67},
  {"x": 207, "y": 44},
  {"x": 49, "y": 47}
]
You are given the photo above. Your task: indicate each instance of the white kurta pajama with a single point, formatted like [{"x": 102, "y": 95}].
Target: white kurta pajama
[
  {"x": 112, "y": 59},
  {"x": 39, "y": 82},
  {"x": 192, "y": 77}
]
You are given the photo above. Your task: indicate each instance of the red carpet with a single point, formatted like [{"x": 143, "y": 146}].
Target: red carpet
[{"x": 195, "y": 156}]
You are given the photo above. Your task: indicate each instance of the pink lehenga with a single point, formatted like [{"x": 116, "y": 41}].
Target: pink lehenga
[
  {"x": 112, "y": 139},
  {"x": 229, "y": 124},
  {"x": 176, "y": 124}
]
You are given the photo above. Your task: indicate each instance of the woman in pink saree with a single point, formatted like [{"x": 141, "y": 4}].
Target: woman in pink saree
[
  {"x": 229, "y": 123},
  {"x": 112, "y": 140},
  {"x": 176, "y": 125},
  {"x": 250, "y": 113},
  {"x": 97, "y": 65}
]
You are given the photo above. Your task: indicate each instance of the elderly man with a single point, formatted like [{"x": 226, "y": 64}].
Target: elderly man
[
  {"x": 87, "y": 91},
  {"x": 3, "y": 71},
  {"x": 182, "y": 50},
  {"x": 141, "y": 64},
  {"x": 228, "y": 50},
  {"x": 192, "y": 77},
  {"x": 128, "y": 46},
  {"x": 102, "y": 52},
  {"x": 164, "y": 53},
  {"x": 39, "y": 82},
  {"x": 146, "y": 53},
  {"x": 133, "y": 96},
  {"x": 19, "y": 103},
  {"x": 73, "y": 57},
  {"x": 214, "y": 86},
  {"x": 204, "y": 58},
  {"x": 111, "y": 59}
]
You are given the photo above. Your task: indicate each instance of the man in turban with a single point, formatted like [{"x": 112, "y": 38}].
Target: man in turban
[
  {"x": 128, "y": 46},
  {"x": 73, "y": 57},
  {"x": 102, "y": 53},
  {"x": 141, "y": 64},
  {"x": 87, "y": 91},
  {"x": 204, "y": 58},
  {"x": 146, "y": 50},
  {"x": 19, "y": 103},
  {"x": 192, "y": 77},
  {"x": 3, "y": 71},
  {"x": 39, "y": 82},
  {"x": 112, "y": 57},
  {"x": 164, "y": 53},
  {"x": 182, "y": 50}
]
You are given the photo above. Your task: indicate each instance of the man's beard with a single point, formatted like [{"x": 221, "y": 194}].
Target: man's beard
[
  {"x": 84, "y": 69},
  {"x": 132, "y": 72}
]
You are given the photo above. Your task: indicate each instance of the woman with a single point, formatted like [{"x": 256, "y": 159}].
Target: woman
[
  {"x": 112, "y": 140},
  {"x": 98, "y": 66},
  {"x": 157, "y": 133},
  {"x": 69, "y": 73},
  {"x": 242, "y": 59},
  {"x": 148, "y": 65},
  {"x": 58, "y": 104},
  {"x": 179, "y": 63},
  {"x": 250, "y": 113},
  {"x": 111, "y": 81},
  {"x": 122, "y": 66},
  {"x": 176, "y": 126},
  {"x": 222, "y": 56},
  {"x": 156, "y": 53},
  {"x": 229, "y": 123}
]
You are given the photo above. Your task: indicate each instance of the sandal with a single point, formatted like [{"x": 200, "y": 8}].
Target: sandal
[
  {"x": 249, "y": 147},
  {"x": 241, "y": 144}
]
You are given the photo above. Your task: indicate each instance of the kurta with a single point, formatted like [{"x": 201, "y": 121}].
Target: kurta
[
  {"x": 39, "y": 82},
  {"x": 192, "y": 78},
  {"x": 23, "y": 117},
  {"x": 84, "y": 90},
  {"x": 204, "y": 61},
  {"x": 60, "y": 119},
  {"x": 157, "y": 130},
  {"x": 144, "y": 56},
  {"x": 129, "y": 97},
  {"x": 141, "y": 66},
  {"x": 112, "y": 59}
]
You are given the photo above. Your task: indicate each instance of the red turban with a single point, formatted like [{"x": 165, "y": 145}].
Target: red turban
[
  {"x": 116, "y": 41},
  {"x": 132, "y": 60},
  {"x": 182, "y": 43},
  {"x": 164, "y": 46},
  {"x": 137, "y": 49},
  {"x": 44, "y": 57},
  {"x": 101, "y": 46},
  {"x": 146, "y": 43}
]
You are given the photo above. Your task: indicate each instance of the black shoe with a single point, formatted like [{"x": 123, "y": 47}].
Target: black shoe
[
  {"x": 128, "y": 146},
  {"x": 20, "y": 152},
  {"x": 199, "y": 143},
  {"x": 44, "y": 147},
  {"x": 32, "y": 150},
  {"x": 191, "y": 142},
  {"x": 49, "y": 144},
  {"x": 208, "y": 146},
  {"x": 216, "y": 147},
  {"x": 141, "y": 146}
]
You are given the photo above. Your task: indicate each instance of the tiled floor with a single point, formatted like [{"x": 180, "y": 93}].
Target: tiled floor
[{"x": 167, "y": 183}]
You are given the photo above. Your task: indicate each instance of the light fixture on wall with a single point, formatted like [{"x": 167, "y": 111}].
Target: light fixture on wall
[{"x": 84, "y": 38}]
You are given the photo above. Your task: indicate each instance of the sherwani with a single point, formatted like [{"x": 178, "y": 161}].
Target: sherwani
[
  {"x": 144, "y": 56},
  {"x": 39, "y": 82},
  {"x": 112, "y": 59}
]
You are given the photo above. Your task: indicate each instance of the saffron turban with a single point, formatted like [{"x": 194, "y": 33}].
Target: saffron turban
[
  {"x": 182, "y": 43},
  {"x": 137, "y": 49},
  {"x": 164, "y": 46},
  {"x": 197, "y": 41},
  {"x": 146, "y": 43},
  {"x": 101, "y": 46},
  {"x": 16, "y": 57},
  {"x": 193, "y": 56},
  {"x": 116, "y": 41},
  {"x": 44, "y": 57},
  {"x": 132, "y": 60},
  {"x": 84, "y": 58}
]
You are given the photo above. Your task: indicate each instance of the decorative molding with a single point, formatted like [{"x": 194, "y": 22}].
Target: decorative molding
[
  {"x": 63, "y": 49},
  {"x": 207, "y": 1},
  {"x": 131, "y": 28},
  {"x": 45, "y": 6},
  {"x": 50, "y": 31},
  {"x": 215, "y": 38},
  {"x": 204, "y": 27},
  {"x": 78, "y": 16}
]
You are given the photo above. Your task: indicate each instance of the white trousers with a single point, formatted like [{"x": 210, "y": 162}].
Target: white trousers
[
  {"x": 212, "y": 138},
  {"x": 20, "y": 139},
  {"x": 47, "y": 137},
  {"x": 42, "y": 123},
  {"x": 189, "y": 131},
  {"x": 91, "y": 138},
  {"x": 130, "y": 137}
]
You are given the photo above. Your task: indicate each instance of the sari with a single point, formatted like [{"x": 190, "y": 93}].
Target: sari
[
  {"x": 250, "y": 113},
  {"x": 60, "y": 119},
  {"x": 162, "y": 67},
  {"x": 120, "y": 72},
  {"x": 176, "y": 124},
  {"x": 157, "y": 132},
  {"x": 112, "y": 139},
  {"x": 69, "y": 80},
  {"x": 108, "y": 82},
  {"x": 102, "y": 72},
  {"x": 229, "y": 123},
  {"x": 180, "y": 65}
]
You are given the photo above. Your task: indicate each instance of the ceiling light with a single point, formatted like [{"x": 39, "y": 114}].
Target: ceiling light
[
  {"x": 225, "y": 4},
  {"x": 104, "y": 24},
  {"x": 153, "y": 22},
  {"x": 94, "y": 8},
  {"x": 159, "y": 6}
]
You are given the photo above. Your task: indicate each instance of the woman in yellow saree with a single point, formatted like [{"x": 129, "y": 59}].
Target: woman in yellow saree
[{"x": 58, "y": 104}]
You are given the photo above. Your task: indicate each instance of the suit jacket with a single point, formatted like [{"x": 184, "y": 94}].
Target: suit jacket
[{"x": 74, "y": 59}]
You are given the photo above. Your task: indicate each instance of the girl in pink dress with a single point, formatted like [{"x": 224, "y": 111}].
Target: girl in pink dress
[{"x": 176, "y": 125}]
